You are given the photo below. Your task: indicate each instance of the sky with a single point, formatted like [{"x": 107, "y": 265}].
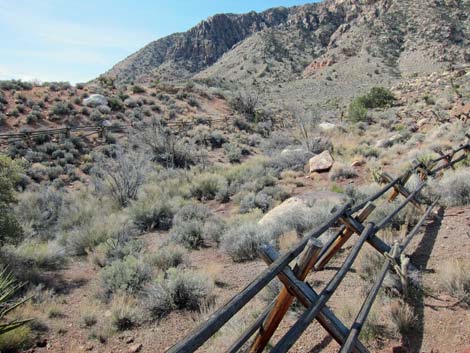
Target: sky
[{"x": 75, "y": 41}]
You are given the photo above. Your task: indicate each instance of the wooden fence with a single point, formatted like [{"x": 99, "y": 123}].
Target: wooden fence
[{"x": 311, "y": 255}]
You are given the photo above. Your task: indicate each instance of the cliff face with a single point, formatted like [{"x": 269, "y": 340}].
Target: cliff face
[
  {"x": 197, "y": 48},
  {"x": 398, "y": 37}
]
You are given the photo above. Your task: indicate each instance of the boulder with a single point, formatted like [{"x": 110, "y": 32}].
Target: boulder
[
  {"x": 95, "y": 100},
  {"x": 321, "y": 162},
  {"x": 302, "y": 204},
  {"x": 326, "y": 126}
]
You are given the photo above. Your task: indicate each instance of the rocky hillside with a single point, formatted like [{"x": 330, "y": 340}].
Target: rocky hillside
[{"x": 311, "y": 53}]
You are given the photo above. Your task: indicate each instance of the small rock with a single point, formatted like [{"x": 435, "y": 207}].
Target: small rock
[
  {"x": 130, "y": 340},
  {"x": 422, "y": 122},
  {"x": 135, "y": 348}
]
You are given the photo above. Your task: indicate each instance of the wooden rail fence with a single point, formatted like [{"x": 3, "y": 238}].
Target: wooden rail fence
[{"x": 311, "y": 255}]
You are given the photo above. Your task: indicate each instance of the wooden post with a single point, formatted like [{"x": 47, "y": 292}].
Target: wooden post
[
  {"x": 304, "y": 264},
  {"x": 399, "y": 189},
  {"x": 334, "y": 248}
]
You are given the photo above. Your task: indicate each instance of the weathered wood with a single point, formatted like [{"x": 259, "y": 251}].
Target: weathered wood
[
  {"x": 224, "y": 314},
  {"x": 343, "y": 238},
  {"x": 308, "y": 297},
  {"x": 400, "y": 189},
  {"x": 305, "y": 263},
  {"x": 288, "y": 340}
]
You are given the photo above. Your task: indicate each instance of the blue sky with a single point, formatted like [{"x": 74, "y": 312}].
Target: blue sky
[{"x": 58, "y": 40}]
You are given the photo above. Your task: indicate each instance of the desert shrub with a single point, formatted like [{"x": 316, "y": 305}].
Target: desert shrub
[
  {"x": 158, "y": 300},
  {"x": 369, "y": 264},
  {"x": 189, "y": 289},
  {"x": 138, "y": 89},
  {"x": 3, "y": 119},
  {"x": 252, "y": 200},
  {"x": 88, "y": 234},
  {"x": 42, "y": 255},
  {"x": 357, "y": 111},
  {"x": 193, "y": 224},
  {"x": 10, "y": 175},
  {"x": 18, "y": 339},
  {"x": 403, "y": 318},
  {"x": 189, "y": 234},
  {"x": 340, "y": 171},
  {"x": 127, "y": 275},
  {"x": 277, "y": 141},
  {"x": 148, "y": 214},
  {"x": 208, "y": 186},
  {"x": 193, "y": 102},
  {"x": 233, "y": 152},
  {"x": 117, "y": 248},
  {"x": 377, "y": 97},
  {"x": 16, "y": 85},
  {"x": 454, "y": 278},
  {"x": 120, "y": 177},
  {"x": 180, "y": 290},
  {"x": 246, "y": 103},
  {"x": 88, "y": 320},
  {"x": 454, "y": 188},
  {"x": 166, "y": 148},
  {"x": 168, "y": 256},
  {"x": 116, "y": 104},
  {"x": 294, "y": 159},
  {"x": 62, "y": 108},
  {"x": 39, "y": 211},
  {"x": 242, "y": 241},
  {"x": 124, "y": 313}
]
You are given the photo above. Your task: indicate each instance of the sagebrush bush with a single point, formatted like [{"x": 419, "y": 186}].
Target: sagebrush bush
[
  {"x": 242, "y": 241},
  {"x": 168, "y": 256},
  {"x": 180, "y": 289},
  {"x": 127, "y": 275},
  {"x": 194, "y": 224},
  {"x": 42, "y": 255},
  {"x": 454, "y": 188},
  {"x": 39, "y": 211},
  {"x": 208, "y": 186},
  {"x": 292, "y": 159},
  {"x": 84, "y": 238},
  {"x": 189, "y": 289},
  {"x": 117, "y": 249},
  {"x": 148, "y": 215}
]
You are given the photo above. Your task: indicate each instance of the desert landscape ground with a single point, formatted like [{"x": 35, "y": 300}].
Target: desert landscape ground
[{"x": 136, "y": 205}]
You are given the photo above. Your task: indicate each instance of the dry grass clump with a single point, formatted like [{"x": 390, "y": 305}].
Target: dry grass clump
[
  {"x": 454, "y": 188},
  {"x": 454, "y": 279},
  {"x": 403, "y": 317}
]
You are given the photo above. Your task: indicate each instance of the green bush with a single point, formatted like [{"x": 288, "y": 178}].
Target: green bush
[
  {"x": 208, "y": 186},
  {"x": 377, "y": 97},
  {"x": 42, "y": 255},
  {"x": 138, "y": 89},
  {"x": 357, "y": 111},
  {"x": 10, "y": 175},
  {"x": 62, "y": 108},
  {"x": 128, "y": 275}
]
